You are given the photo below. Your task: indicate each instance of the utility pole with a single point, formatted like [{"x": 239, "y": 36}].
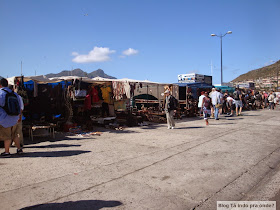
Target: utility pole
[
  {"x": 21, "y": 68},
  {"x": 221, "y": 37},
  {"x": 277, "y": 78}
]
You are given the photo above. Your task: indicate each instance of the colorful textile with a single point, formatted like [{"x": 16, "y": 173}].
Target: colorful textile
[
  {"x": 87, "y": 103},
  {"x": 94, "y": 95},
  {"x": 106, "y": 94},
  {"x": 118, "y": 90}
]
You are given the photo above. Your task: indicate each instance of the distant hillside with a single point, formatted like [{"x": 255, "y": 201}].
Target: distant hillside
[
  {"x": 81, "y": 73},
  {"x": 264, "y": 72}
]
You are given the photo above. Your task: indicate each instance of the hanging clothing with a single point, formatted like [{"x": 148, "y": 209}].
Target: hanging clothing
[
  {"x": 132, "y": 88},
  {"x": 118, "y": 90},
  {"x": 35, "y": 93},
  {"x": 87, "y": 103},
  {"x": 94, "y": 95},
  {"x": 127, "y": 89},
  {"x": 106, "y": 94}
]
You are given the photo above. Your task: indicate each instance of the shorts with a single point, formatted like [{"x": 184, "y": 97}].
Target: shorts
[
  {"x": 10, "y": 132},
  {"x": 258, "y": 103},
  {"x": 238, "y": 103}
]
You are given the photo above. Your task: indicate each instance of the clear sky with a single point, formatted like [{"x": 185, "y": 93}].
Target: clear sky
[{"x": 138, "y": 39}]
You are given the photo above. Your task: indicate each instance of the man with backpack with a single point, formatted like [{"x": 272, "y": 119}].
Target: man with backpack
[
  {"x": 237, "y": 96},
  {"x": 10, "y": 115}
]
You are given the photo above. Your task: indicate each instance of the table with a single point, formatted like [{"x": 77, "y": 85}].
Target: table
[{"x": 49, "y": 127}]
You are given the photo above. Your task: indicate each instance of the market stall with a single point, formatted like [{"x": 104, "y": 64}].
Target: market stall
[{"x": 188, "y": 96}]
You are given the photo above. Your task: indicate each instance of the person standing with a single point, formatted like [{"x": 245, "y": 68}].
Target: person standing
[
  {"x": 216, "y": 98},
  {"x": 206, "y": 106},
  {"x": 258, "y": 100},
  {"x": 212, "y": 108},
  {"x": 238, "y": 101},
  {"x": 265, "y": 99},
  {"x": 200, "y": 107},
  {"x": 271, "y": 98},
  {"x": 20, "y": 135},
  {"x": 9, "y": 128},
  {"x": 170, "y": 106}
]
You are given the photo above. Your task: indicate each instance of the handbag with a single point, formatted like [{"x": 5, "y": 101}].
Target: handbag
[{"x": 219, "y": 106}]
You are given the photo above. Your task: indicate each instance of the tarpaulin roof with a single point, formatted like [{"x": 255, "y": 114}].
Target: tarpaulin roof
[
  {"x": 195, "y": 84},
  {"x": 41, "y": 79},
  {"x": 38, "y": 79}
]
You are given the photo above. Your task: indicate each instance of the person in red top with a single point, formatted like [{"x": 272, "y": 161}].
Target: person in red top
[{"x": 265, "y": 99}]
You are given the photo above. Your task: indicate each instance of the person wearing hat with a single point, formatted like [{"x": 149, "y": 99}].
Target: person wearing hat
[{"x": 170, "y": 106}]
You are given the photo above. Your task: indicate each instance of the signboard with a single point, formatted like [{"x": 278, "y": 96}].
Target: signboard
[
  {"x": 247, "y": 85},
  {"x": 193, "y": 77},
  {"x": 208, "y": 79}
]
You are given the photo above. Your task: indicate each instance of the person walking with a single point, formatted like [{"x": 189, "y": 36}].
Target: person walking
[
  {"x": 9, "y": 119},
  {"x": 206, "y": 106},
  {"x": 216, "y": 98},
  {"x": 199, "y": 105},
  {"x": 238, "y": 101},
  {"x": 170, "y": 106}
]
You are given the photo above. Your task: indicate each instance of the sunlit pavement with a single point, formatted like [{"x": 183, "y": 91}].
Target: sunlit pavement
[{"x": 150, "y": 167}]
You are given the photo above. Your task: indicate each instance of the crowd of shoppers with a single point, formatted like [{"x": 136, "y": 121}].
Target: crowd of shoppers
[{"x": 215, "y": 103}]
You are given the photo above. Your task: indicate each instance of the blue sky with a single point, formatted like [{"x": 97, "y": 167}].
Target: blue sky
[{"x": 138, "y": 39}]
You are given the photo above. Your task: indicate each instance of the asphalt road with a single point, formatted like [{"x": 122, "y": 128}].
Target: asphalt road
[{"x": 150, "y": 167}]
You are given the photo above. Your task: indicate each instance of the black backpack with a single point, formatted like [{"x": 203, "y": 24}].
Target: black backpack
[
  {"x": 12, "y": 106},
  {"x": 236, "y": 95}
]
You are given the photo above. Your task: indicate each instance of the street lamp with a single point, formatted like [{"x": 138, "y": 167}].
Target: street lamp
[{"x": 221, "y": 36}]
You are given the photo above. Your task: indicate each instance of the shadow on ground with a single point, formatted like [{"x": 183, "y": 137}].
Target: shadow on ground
[
  {"x": 54, "y": 146},
  {"x": 82, "y": 205},
  {"x": 189, "y": 127},
  {"x": 50, "y": 154}
]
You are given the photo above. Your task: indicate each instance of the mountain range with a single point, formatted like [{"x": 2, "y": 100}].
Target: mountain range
[
  {"x": 81, "y": 73},
  {"x": 261, "y": 73}
]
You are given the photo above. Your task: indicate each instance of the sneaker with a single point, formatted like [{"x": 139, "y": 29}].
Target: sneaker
[
  {"x": 172, "y": 127},
  {"x": 6, "y": 155},
  {"x": 19, "y": 151},
  {"x": 168, "y": 127}
]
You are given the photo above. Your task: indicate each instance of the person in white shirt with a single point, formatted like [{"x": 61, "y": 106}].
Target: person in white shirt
[
  {"x": 216, "y": 98},
  {"x": 231, "y": 104},
  {"x": 200, "y": 99}
]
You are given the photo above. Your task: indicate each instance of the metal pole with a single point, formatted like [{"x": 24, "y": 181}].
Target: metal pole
[
  {"x": 277, "y": 79},
  {"x": 221, "y": 60}
]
